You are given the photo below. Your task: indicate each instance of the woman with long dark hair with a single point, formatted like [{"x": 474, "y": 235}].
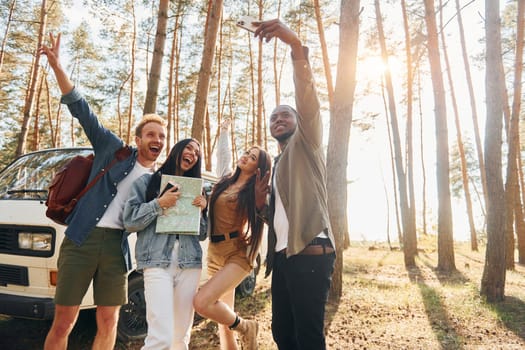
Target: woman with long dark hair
[
  {"x": 235, "y": 231},
  {"x": 171, "y": 263}
]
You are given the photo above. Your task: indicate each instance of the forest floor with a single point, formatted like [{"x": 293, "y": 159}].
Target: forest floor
[{"x": 383, "y": 306}]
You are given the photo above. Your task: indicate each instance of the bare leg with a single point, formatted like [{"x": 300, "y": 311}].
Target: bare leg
[
  {"x": 63, "y": 323},
  {"x": 107, "y": 319},
  {"x": 226, "y": 335},
  {"x": 209, "y": 303},
  {"x": 207, "y": 300}
]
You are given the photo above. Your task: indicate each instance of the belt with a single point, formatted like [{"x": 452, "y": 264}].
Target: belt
[
  {"x": 318, "y": 246},
  {"x": 220, "y": 238}
]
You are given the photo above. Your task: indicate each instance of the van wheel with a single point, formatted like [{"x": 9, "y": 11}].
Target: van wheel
[
  {"x": 132, "y": 323},
  {"x": 247, "y": 286}
]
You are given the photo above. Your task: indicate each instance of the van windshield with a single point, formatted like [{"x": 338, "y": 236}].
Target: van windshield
[{"x": 29, "y": 176}]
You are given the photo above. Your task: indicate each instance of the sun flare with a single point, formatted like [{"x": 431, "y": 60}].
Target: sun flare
[{"x": 374, "y": 67}]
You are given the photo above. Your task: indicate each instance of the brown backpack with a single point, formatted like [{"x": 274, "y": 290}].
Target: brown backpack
[{"x": 70, "y": 183}]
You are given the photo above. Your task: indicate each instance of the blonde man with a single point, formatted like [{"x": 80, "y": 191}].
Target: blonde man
[{"x": 95, "y": 248}]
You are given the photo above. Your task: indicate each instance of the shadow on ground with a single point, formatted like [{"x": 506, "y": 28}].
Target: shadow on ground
[
  {"x": 435, "y": 309},
  {"x": 23, "y": 334}
]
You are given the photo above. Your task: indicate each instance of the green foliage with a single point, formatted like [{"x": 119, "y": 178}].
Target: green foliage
[
  {"x": 96, "y": 52},
  {"x": 456, "y": 182}
]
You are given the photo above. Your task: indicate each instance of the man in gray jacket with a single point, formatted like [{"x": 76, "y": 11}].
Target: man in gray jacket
[{"x": 301, "y": 245}]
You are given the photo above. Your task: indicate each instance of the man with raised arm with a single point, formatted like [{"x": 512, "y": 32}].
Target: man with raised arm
[
  {"x": 301, "y": 251},
  {"x": 95, "y": 248}
]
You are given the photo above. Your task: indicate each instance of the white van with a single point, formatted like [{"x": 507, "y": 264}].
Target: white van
[{"x": 29, "y": 245}]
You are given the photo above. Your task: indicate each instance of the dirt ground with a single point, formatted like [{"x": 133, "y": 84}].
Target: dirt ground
[{"x": 383, "y": 306}]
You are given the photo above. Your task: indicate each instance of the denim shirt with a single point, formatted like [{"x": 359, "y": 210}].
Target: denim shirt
[
  {"x": 94, "y": 203},
  {"x": 154, "y": 249}
]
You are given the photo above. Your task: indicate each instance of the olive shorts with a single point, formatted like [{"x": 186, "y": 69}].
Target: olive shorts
[
  {"x": 98, "y": 259},
  {"x": 228, "y": 251}
]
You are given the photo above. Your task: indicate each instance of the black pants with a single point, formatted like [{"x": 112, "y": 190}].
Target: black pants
[{"x": 300, "y": 287}]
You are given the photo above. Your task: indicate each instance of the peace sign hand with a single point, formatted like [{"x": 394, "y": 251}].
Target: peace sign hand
[
  {"x": 52, "y": 52},
  {"x": 262, "y": 188}
]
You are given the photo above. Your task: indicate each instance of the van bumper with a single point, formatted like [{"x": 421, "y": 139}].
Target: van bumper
[{"x": 27, "y": 307}]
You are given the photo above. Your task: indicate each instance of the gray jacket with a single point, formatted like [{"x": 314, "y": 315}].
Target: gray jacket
[{"x": 153, "y": 249}]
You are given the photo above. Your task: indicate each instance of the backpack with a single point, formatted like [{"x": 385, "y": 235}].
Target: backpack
[{"x": 70, "y": 183}]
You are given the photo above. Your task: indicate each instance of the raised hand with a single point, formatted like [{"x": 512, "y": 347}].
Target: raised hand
[
  {"x": 266, "y": 30},
  {"x": 262, "y": 188},
  {"x": 53, "y": 51}
]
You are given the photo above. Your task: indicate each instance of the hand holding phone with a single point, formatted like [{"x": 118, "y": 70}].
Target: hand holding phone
[
  {"x": 246, "y": 22},
  {"x": 168, "y": 186}
]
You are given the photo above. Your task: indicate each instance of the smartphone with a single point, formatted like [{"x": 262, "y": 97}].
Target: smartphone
[
  {"x": 168, "y": 186},
  {"x": 246, "y": 22}
]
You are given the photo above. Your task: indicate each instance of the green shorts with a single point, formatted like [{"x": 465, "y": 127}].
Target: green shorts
[{"x": 99, "y": 259}]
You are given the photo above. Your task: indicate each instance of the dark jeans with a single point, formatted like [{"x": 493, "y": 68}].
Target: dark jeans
[{"x": 300, "y": 287}]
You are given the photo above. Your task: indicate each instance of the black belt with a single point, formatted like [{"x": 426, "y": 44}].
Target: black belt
[
  {"x": 220, "y": 238},
  {"x": 318, "y": 246},
  {"x": 321, "y": 241}
]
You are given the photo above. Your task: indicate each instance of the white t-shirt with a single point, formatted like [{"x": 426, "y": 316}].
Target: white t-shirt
[
  {"x": 280, "y": 221},
  {"x": 112, "y": 217}
]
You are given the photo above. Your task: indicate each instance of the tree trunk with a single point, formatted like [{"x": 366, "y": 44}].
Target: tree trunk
[
  {"x": 260, "y": 93},
  {"x": 472, "y": 99},
  {"x": 49, "y": 116},
  {"x": 173, "y": 76},
  {"x": 520, "y": 229},
  {"x": 423, "y": 166},
  {"x": 176, "y": 112},
  {"x": 326, "y": 60},
  {"x": 518, "y": 211},
  {"x": 132, "y": 74},
  {"x": 203, "y": 84},
  {"x": 494, "y": 273},
  {"x": 150, "y": 105},
  {"x": 400, "y": 234},
  {"x": 521, "y": 178},
  {"x": 22, "y": 138},
  {"x": 459, "y": 137},
  {"x": 340, "y": 123},
  {"x": 6, "y": 33},
  {"x": 119, "y": 114},
  {"x": 409, "y": 140},
  {"x": 53, "y": 127},
  {"x": 512, "y": 187},
  {"x": 36, "y": 128},
  {"x": 232, "y": 132},
  {"x": 409, "y": 232},
  {"x": 409, "y": 132},
  {"x": 207, "y": 141},
  {"x": 276, "y": 71},
  {"x": 446, "y": 261},
  {"x": 219, "y": 118}
]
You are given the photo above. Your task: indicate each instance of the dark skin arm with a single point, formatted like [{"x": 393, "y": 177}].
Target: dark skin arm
[{"x": 266, "y": 30}]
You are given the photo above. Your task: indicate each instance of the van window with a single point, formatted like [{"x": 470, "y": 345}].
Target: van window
[{"x": 29, "y": 176}]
